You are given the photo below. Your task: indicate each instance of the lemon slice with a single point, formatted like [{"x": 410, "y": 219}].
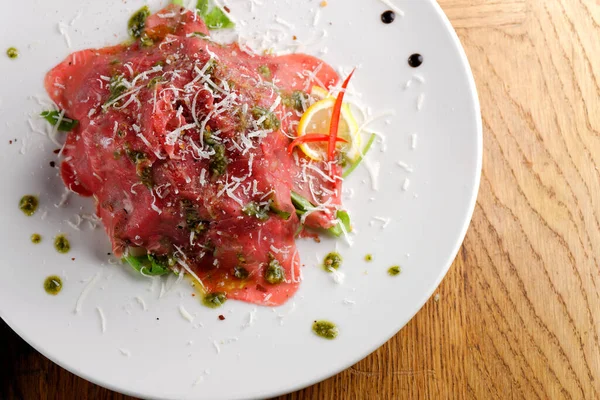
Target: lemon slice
[
  {"x": 319, "y": 93},
  {"x": 317, "y": 119}
]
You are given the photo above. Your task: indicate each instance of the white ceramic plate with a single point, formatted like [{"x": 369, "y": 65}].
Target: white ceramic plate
[{"x": 156, "y": 353}]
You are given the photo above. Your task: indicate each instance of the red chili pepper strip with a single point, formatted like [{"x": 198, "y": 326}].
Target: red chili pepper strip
[
  {"x": 310, "y": 138},
  {"x": 335, "y": 118}
]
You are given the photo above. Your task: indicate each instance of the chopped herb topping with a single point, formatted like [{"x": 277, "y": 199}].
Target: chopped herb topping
[
  {"x": 274, "y": 274},
  {"x": 270, "y": 120},
  {"x": 325, "y": 329},
  {"x": 28, "y": 204},
  {"x": 192, "y": 217},
  {"x": 395, "y": 270},
  {"x": 240, "y": 272},
  {"x": 261, "y": 211},
  {"x": 265, "y": 71},
  {"x": 66, "y": 124},
  {"x": 296, "y": 100},
  {"x": 61, "y": 244},
  {"x": 253, "y": 209},
  {"x": 137, "y": 22},
  {"x": 143, "y": 166},
  {"x": 214, "y": 300},
  {"x": 53, "y": 285},
  {"x": 218, "y": 161},
  {"x": 36, "y": 238},
  {"x": 116, "y": 87},
  {"x": 332, "y": 261},
  {"x": 12, "y": 53}
]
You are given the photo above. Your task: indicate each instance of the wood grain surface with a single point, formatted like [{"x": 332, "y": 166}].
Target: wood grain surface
[{"x": 518, "y": 315}]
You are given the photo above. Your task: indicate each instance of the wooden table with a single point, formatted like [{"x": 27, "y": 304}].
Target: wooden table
[{"x": 519, "y": 313}]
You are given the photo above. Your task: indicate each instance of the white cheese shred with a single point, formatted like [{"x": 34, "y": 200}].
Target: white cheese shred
[
  {"x": 102, "y": 319},
  {"x": 142, "y": 302},
  {"x": 85, "y": 292},
  {"x": 251, "y": 319},
  {"x": 405, "y": 184},
  {"x": 185, "y": 314},
  {"x": 125, "y": 352}
]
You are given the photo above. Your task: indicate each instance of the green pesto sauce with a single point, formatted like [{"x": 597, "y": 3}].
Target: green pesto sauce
[
  {"x": 296, "y": 100},
  {"x": 395, "y": 270},
  {"x": 218, "y": 161},
  {"x": 61, "y": 244},
  {"x": 28, "y": 204},
  {"x": 137, "y": 22},
  {"x": 274, "y": 274},
  {"x": 214, "y": 300},
  {"x": 36, "y": 238},
  {"x": 240, "y": 272},
  {"x": 325, "y": 329},
  {"x": 12, "y": 53},
  {"x": 369, "y": 258},
  {"x": 332, "y": 261},
  {"x": 264, "y": 71},
  {"x": 53, "y": 285},
  {"x": 270, "y": 120}
]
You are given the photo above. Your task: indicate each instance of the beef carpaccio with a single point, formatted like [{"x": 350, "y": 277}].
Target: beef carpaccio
[{"x": 182, "y": 143}]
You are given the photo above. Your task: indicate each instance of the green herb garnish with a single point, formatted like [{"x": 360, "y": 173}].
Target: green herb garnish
[
  {"x": 325, "y": 329},
  {"x": 61, "y": 244},
  {"x": 343, "y": 219},
  {"x": 332, "y": 261},
  {"x": 361, "y": 157},
  {"x": 274, "y": 272},
  {"x": 296, "y": 100},
  {"x": 240, "y": 272},
  {"x": 395, "y": 270},
  {"x": 218, "y": 161},
  {"x": 66, "y": 124},
  {"x": 264, "y": 71},
  {"x": 117, "y": 87},
  {"x": 268, "y": 119},
  {"x": 214, "y": 300},
  {"x": 137, "y": 22},
  {"x": 214, "y": 18},
  {"x": 253, "y": 209},
  {"x": 143, "y": 166},
  {"x": 28, "y": 204},
  {"x": 52, "y": 285},
  {"x": 12, "y": 53},
  {"x": 150, "y": 265}
]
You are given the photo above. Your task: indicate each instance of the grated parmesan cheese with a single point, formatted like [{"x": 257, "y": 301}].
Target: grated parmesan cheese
[
  {"x": 102, "y": 319},
  {"x": 185, "y": 314},
  {"x": 85, "y": 292}
]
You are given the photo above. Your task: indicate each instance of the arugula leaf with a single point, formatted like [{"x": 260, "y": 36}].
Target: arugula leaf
[
  {"x": 146, "y": 265},
  {"x": 217, "y": 19},
  {"x": 178, "y": 2},
  {"x": 342, "y": 219},
  {"x": 362, "y": 156},
  {"x": 66, "y": 124},
  {"x": 202, "y": 7},
  {"x": 214, "y": 18},
  {"x": 301, "y": 203}
]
